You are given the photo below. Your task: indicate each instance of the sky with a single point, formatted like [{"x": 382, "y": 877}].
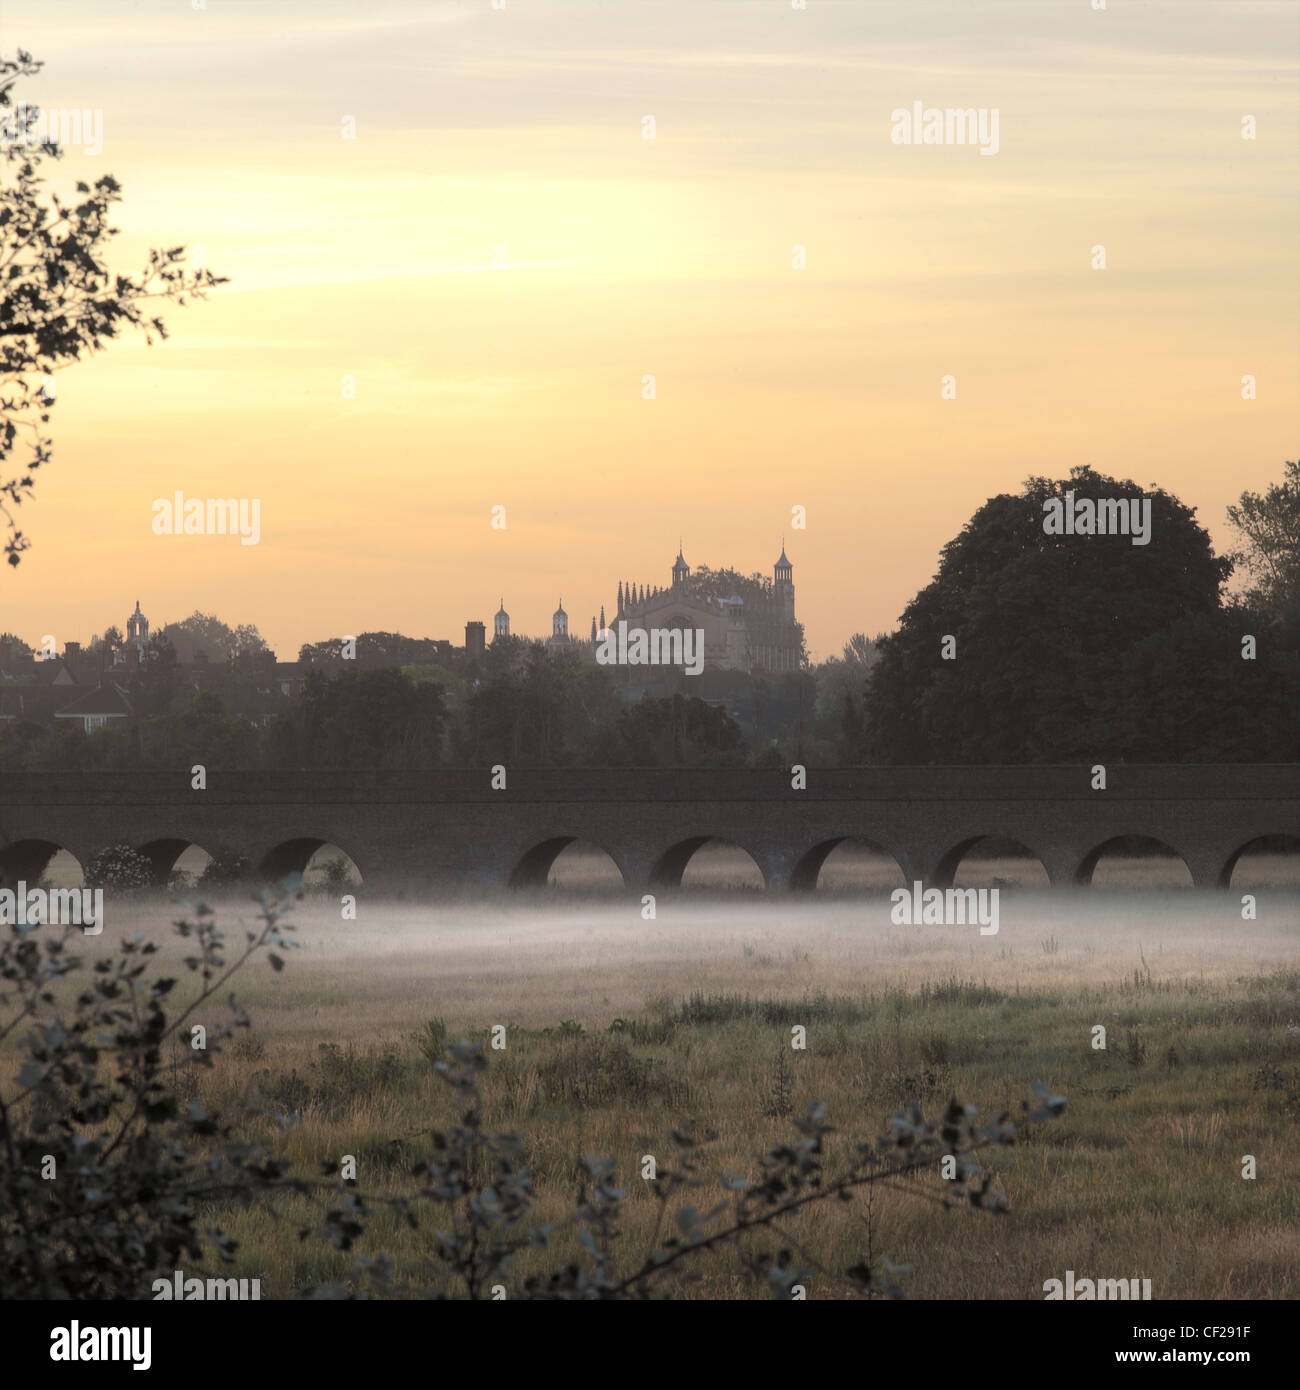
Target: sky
[{"x": 458, "y": 308}]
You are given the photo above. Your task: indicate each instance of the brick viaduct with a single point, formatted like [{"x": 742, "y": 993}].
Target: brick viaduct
[{"x": 451, "y": 829}]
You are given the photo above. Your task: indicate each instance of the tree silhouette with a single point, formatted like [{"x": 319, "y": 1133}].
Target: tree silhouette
[{"x": 58, "y": 301}]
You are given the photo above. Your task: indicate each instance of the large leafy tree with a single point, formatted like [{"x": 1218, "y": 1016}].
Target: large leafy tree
[
  {"x": 374, "y": 719},
  {"x": 679, "y": 731},
  {"x": 206, "y": 632},
  {"x": 59, "y": 302},
  {"x": 1046, "y": 628},
  {"x": 1268, "y": 532},
  {"x": 533, "y": 707},
  {"x": 374, "y": 649},
  {"x": 841, "y": 684}
]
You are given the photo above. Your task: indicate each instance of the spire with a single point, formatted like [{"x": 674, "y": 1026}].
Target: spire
[
  {"x": 620, "y": 595},
  {"x": 681, "y": 570},
  {"x": 602, "y": 617}
]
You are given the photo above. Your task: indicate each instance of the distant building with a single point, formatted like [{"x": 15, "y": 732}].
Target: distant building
[
  {"x": 135, "y": 648},
  {"x": 475, "y": 640},
  {"x": 758, "y": 635},
  {"x": 97, "y": 707},
  {"x": 559, "y": 627}
]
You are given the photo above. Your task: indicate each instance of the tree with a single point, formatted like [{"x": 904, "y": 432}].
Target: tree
[
  {"x": 226, "y": 868},
  {"x": 533, "y": 706},
  {"x": 1184, "y": 694},
  {"x": 374, "y": 719},
  {"x": 841, "y": 692},
  {"x": 207, "y": 633},
  {"x": 1015, "y": 652},
  {"x": 1268, "y": 532},
  {"x": 155, "y": 683},
  {"x": 373, "y": 649},
  {"x": 676, "y": 732},
  {"x": 205, "y": 731},
  {"x": 58, "y": 301}
]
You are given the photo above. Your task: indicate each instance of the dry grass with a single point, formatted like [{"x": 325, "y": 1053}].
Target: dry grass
[{"x": 1142, "y": 1177}]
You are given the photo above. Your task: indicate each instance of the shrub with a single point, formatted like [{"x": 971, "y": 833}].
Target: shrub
[
  {"x": 336, "y": 871},
  {"x": 135, "y": 1168},
  {"x": 431, "y": 1040},
  {"x": 226, "y": 867},
  {"x": 593, "y": 1073},
  {"x": 118, "y": 866},
  {"x": 1135, "y": 1050},
  {"x": 779, "y": 1104}
]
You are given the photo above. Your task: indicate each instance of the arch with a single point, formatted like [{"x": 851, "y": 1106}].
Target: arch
[
  {"x": 533, "y": 870},
  {"x": 1262, "y": 845},
  {"x": 989, "y": 847},
  {"x": 296, "y": 857},
  {"x": 670, "y": 868},
  {"x": 1130, "y": 849},
  {"x": 28, "y": 861},
  {"x": 164, "y": 857},
  {"x": 806, "y": 874}
]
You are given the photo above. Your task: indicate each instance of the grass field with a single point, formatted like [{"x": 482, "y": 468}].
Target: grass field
[{"x": 617, "y": 1027}]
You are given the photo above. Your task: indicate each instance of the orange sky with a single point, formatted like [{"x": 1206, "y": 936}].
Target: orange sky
[{"x": 521, "y": 129}]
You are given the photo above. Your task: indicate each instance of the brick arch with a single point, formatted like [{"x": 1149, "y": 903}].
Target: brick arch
[
  {"x": 804, "y": 875},
  {"x": 164, "y": 852},
  {"x": 1088, "y": 864},
  {"x": 670, "y": 864},
  {"x": 293, "y": 855},
  {"x": 950, "y": 861},
  {"x": 1285, "y": 844},
  {"x": 25, "y": 860},
  {"x": 533, "y": 868}
]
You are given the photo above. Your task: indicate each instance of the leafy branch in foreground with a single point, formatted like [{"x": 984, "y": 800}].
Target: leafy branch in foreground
[
  {"x": 481, "y": 1231},
  {"x": 103, "y": 1169},
  {"x": 58, "y": 301}
]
